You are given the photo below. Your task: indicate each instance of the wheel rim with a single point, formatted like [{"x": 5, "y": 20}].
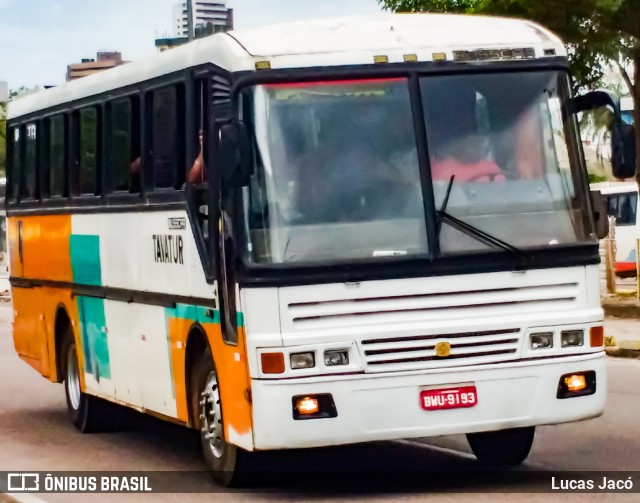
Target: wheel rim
[
  {"x": 211, "y": 417},
  {"x": 73, "y": 379}
]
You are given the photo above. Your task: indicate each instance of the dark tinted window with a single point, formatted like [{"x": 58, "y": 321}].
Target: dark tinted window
[
  {"x": 168, "y": 128},
  {"x": 623, "y": 207},
  {"x": 122, "y": 158},
  {"x": 16, "y": 168},
  {"x": 56, "y": 176},
  {"x": 88, "y": 144},
  {"x": 28, "y": 184}
]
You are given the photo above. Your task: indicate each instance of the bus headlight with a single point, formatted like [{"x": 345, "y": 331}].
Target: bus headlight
[
  {"x": 335, "y": 357},
  {"x": 572, "y": 338},
  {"x": 542, "y": 340},
  {"x": 305, "y": 360}
]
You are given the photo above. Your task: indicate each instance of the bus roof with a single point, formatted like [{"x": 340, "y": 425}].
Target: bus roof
[{"x": 325, "y": 42}]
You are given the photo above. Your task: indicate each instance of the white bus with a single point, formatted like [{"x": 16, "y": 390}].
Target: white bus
[
  {"x": 621, "y": 199},
  {"x": 315, "y": 234}
]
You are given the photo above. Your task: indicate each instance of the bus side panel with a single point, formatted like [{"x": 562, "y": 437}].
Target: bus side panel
[
  {"x": 39, "y": 249},
  {"x": 28, "y": 326},
  {"x": 177, "y": 330},
  {"x": 235, "y": 386}
]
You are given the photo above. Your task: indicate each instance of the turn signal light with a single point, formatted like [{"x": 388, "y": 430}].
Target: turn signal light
[
  {"x": 596, "y": 335},
  {"x": 272, "y": 363},
  {"x": 307, "y": 405},
  {"x": 575, "y": 382}
]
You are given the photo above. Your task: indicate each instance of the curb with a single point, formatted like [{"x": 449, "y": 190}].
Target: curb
[
  {"x": 625, "y": 348},
  {"x": 621, "y": 310}
]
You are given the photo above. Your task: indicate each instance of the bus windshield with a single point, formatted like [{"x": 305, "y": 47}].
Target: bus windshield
[{"x": 338, "y": 176}]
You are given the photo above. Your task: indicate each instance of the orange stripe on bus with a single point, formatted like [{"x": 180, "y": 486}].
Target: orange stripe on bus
[
  {"x": 178, "y": 328},
  {"x": 233, "y": 372}
]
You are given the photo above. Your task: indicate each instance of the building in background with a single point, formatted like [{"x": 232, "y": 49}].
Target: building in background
[
  {"x": 212, "y": 16},
  {"x": 103, "y": 61},
  {"x": 209, "y": 17}
]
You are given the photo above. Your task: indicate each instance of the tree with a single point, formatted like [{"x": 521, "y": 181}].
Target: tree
[
  {"x": 3, "y": 138},
  {"x": 3, "y": 129},
  {"x": 596, "y": 32}
]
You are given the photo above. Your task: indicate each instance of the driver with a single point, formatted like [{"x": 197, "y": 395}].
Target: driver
[{"x": 456, "y": 147}]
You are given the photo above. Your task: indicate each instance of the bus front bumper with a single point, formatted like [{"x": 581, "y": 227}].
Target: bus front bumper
[{"x": 387, "y": 407}]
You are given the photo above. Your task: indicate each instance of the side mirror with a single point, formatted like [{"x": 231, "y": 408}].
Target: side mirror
[
  {"x": 623, "y": 150},
  {"x": 599, "y": 206},
  {"x": 235, "y": 154}
]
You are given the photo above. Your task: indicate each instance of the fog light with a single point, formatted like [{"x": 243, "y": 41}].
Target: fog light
[
  {"x": 575, "y": 382},
  {"x": 336, "y": 357},
  {"x": 320, "y": 406},
  {"x": 302, "y": 360},
  {"x": 596, "y": 336},
  {"x": 572, "y": 338},
  {"x": 272, "y": 363},
  {"x": 543, "y": 340},
  {"x": 307, "y": 405}
]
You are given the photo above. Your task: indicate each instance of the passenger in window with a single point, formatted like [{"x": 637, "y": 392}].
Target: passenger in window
[
  {"x": 196, "y": 173},
  {"x": 134, "y": 175}
]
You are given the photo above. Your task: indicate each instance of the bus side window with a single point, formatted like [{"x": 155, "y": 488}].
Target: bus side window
[
  {"x": 55, "y": 177},
  {"x": 124, "y": 145},
  {"x": 15, "y": 171},
  {"x": 197, "y": 173},
  {"x": 88, "y": 153},
  {"x": 626, "y": 211},
  {"x": 167, "y": 137},
  {"x": 28, "y": 180}
]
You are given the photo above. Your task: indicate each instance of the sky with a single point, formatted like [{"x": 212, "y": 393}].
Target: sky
[{"x": 39, "y": 38}]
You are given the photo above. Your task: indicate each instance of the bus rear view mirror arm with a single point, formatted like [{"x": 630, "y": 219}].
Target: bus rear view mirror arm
[
  {"x": 600, "y": 217},
  {"x": 623, "y": 148},
  {"x": 235, "y": 154}
]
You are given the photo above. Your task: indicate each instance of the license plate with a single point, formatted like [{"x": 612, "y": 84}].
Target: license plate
[{"x": 449, "y": 398}]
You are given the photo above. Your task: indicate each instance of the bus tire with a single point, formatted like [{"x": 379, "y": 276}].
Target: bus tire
[
  {"x": 86, "y": 412},
  {"x": 226, "y": 462},
  {"x": 502, "y": 448}
]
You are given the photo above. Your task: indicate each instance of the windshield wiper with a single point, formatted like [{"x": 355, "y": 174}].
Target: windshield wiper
[{"x": 468, "y": 229}]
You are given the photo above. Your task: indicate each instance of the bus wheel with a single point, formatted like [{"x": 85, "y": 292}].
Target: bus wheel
[
  {"x": 223, "y": 459},
  {"x": 502, "y": 448},
  {"x": 85, "y": 411}
]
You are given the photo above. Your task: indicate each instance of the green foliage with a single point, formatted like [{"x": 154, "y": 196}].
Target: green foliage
[
  {"x": 593, "y": 178},
  {"x": 3, "y": 137}
]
